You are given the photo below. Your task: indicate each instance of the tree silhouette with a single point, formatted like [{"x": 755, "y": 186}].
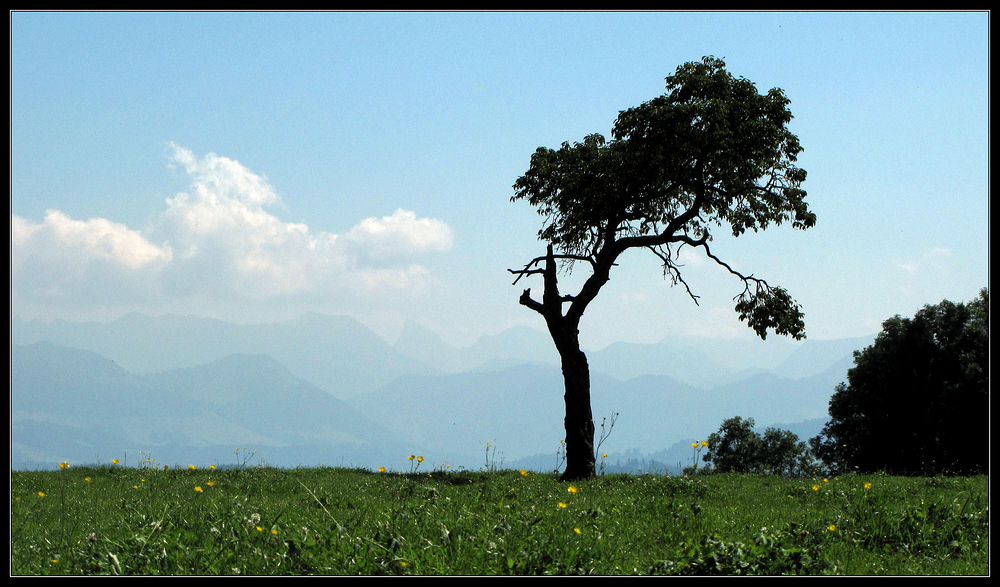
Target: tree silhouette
[
  {"x": 709, "y": 152},
  {"x": 917, "y": 399}
]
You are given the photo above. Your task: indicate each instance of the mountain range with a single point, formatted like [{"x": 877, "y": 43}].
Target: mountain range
[{"x": 325, "y": 390}]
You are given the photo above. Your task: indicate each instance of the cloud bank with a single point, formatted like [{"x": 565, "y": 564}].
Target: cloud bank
[{"x": 218, "y": 240}]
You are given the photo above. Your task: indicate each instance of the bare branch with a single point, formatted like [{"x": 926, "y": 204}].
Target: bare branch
[
  {"x": 526, "y": 300},
  {"x": 529, "y": 271},
  {"x": 671, "y": 268},
  {"x": 522, "y": 272}
]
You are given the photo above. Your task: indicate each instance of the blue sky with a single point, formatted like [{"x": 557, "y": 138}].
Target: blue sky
[{"x": 255, "y": 166}]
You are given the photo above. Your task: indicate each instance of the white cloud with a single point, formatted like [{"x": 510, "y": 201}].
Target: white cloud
[
  {"x": 398, "y": 236},
  {"x": 220, "y": 239},
  {"x": 59, "y": 236}
]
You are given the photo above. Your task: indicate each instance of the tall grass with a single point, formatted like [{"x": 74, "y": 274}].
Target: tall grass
[{"x": 266, "y": 521}]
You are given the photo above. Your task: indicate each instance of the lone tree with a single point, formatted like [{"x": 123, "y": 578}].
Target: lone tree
[
  {"x": 709, "y": 152},
  {"x": 917, "y": 401}
]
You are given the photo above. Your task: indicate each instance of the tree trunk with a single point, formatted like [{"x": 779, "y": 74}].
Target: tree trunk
[
  {"x": 579, "y": 420},
  {"x": 580, "y": 460}
]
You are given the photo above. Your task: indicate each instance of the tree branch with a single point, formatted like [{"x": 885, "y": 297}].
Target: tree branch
[
  {"x": 526, "y": 300},
  {"x": 529, "y": 271}
]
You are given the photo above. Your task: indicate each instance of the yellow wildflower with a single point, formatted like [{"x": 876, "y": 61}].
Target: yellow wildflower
[
  {"x": 63, "y": 465},
  {"x": 524, "y": 473},
  {"x": 192, "y": 467},
  {"x": 114, "y": 461},
  {"x": 572, "y": 489},
  {"x": 815, "y": 487},
  {"x": 198, "y": 488},
  {"x": 41, "y": 494},
  {"x": 577, "y": 530},
  {"x": 87, "y": 479},
  {"x": 868, "y": 485},
  {"x": 562, "y": 505},
  {"x": 381, "y": 469}
]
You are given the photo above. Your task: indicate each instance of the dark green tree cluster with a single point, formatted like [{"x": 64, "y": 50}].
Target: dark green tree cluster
[
  {"x": 737, "y": 448},
  {"x": 917, "y": 400}
]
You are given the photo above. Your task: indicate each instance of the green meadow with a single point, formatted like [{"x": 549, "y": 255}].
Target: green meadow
[{"x": 329, "y": 521}]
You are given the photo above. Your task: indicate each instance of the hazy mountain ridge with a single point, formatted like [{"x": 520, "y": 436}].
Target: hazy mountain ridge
[
  {"x": 252, "y": 398},
  {"x": 66, "y": 400},
  {"x": 335, "y": 353}
]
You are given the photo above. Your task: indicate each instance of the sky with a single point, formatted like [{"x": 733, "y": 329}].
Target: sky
[{"x": 254, "y": 167}]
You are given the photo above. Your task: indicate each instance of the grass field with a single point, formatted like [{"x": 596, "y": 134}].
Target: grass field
[{"x": 268, "y": 521}]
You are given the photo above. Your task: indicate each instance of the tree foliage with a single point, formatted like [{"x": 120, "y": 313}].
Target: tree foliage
[
  {"x": 710, "y": 152},
  {"x": 737, "y": 448},
  {"x": 917, "y": 399}
]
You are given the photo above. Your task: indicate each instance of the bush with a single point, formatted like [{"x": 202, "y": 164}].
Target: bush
[{"x": 737, "y": 448}]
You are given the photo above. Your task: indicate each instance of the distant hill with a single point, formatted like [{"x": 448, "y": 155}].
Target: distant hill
[
  {"x": 519, "y": 409},
  {"x": 326, "y": 390},
  {"x": 334, "y": 353},
  {"x": 70, "y": 404}
]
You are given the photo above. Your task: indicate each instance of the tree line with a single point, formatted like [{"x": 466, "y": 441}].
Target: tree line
[{"x": 916, "y": 402}]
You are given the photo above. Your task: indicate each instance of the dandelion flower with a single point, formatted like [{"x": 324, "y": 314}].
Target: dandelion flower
[
  {"x": 114, "y": 461},
  {"x": 87, "y": 479},
  {"x": 41, "y": 494},
  {"x": 562, "y": 505},
  {"x": 192, "y": 467},
  {"x": 826, "y": 480},
  {"x": 832, "y": 528},
  {"x": 63, "y": 465},
  {"x": 815, "y": 487},
  {"x": 381, "y": 469},
  {"x": 572, "y": 489},
  {"x": 211, "y": 483},
  {"x": 868, "y": 485},
  {"x": 577, "y": 530},
  {"x": 274, "y": 531},
  {"x": 524, "y": 473},
  {"x": 259, "y": 529},
  {"x": 198, "y": 488},
  {"x": 211, "y": 466}
]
